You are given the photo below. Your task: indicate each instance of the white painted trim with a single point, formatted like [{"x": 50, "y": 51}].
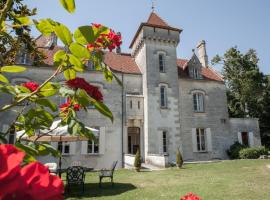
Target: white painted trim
[
  {"x": 239, "y": 135},
  {"x": 251, "y": 139},
  {"x": 194, "y": 140},
  {"x": 209, "y": 139}
]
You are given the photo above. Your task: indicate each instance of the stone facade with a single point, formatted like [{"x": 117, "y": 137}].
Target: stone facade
[{"x": 167, "y": 103}]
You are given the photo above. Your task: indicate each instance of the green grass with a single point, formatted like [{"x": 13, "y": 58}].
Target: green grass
[{"x": 230, "y": 180}]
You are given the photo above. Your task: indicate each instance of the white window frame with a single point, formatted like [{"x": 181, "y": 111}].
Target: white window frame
[
  {"x": 161, "y": 62},
  {"x": 163, "y": 96},
  {"x": 201, "y": 139},
  {"x": 93, "y": 143},
  {"x": 198, "y": 102},
  {"x": 64, "y": 144}
]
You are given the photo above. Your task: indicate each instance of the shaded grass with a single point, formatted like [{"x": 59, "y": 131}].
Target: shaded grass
[{"x": 228, "y": 180}]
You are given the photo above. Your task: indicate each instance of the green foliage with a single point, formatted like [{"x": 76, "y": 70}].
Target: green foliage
[
  {"x": 45, "y": 26},
  {"x": 249, "y": 153},
  {"x": 248, "y": 88},
  {"x": 12, "y": 69},
  {"x": 3, "y": 79},
  {"x": 84, "y": 35},
  {"x": 179, "y": 159},
  {"x": 69, "y": 5},
  {"x": 79, "y": 51},
  {"x": 233, "y": 151},
  {"x": 63, "y": 33},
  {"x": 138, "y": 161}
]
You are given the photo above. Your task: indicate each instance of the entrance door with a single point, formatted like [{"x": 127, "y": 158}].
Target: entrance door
[{"x": 133, "y": 139}]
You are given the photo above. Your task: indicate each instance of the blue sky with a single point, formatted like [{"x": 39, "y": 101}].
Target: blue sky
[{"x": 222, "y": 24}]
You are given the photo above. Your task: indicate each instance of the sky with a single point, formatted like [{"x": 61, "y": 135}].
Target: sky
[{"x": 221, "y": 23}]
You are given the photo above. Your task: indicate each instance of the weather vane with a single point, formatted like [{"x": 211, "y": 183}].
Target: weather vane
[{"x": 153, "y": 6}]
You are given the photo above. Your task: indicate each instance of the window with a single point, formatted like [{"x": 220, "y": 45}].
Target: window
[
  {"x": 90, "y": 65},
  {"x": 64, "y": 147},
  {"x": 164, "y": 141},
  {"x": 200, "y": 135},
  {"x": 163, "y": 97},
  {"x": 130, "y": 104},
  {"x": 93, "y": 145},
  {"x": 198, "y": 102},
  {"x": 161, "y": 63},
  {"x": 11, "y": 136},
  {"x": 244, "y": 136},
  {"x": 23, "y": 58},
  {"x": 139, "y": 105},
  {"x": 196, "y": 73}
]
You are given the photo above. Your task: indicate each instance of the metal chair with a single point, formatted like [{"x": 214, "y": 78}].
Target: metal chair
[
  {"x": 75, "y": 176},
  {"x": 107, "y": 173}
]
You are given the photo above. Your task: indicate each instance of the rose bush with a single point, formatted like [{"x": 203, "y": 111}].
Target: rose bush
[
  {"x": 28, "y": 182},
  {"x": 190, "y": 196}
]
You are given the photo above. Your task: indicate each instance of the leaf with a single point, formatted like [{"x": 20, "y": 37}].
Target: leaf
[
  {"x": 3, "y": 27},
  {"x": 70, "y": 74},
  {"x": 107, "y": 74},
  {"x": 117, "y": 80},
  {"x": 103, "y": 109},
  {"x": 79, "y": 51},
  {"x": 69, "y": 5},
  {"x": 76, "y": 63},
  {"x": 25, "y": 21},
  {"x": 45, "y": 26},
  {"x": 64, "y": 34},
  {"x": 3, "y": 79},
  {"x": 45, "y": 148},
  {"x": 49, "y": 89},
  {"x": 84, "y": 35},
  {"x": 59, "y": 57},
  {"x": 65, "y": 91},
  {"x": 47, "y": 103},
  {"x": 27, "y": 149},
  {"x": 13, "y": 69}
]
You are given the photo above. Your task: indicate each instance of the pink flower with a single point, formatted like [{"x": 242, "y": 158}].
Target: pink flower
[
  {"x": 32, "y": 86},
  {"x": 190, "y": 196},
  {"x": 33, "y": 181}
]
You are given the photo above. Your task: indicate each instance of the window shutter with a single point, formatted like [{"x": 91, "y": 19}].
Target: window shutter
[
  {"x": 102, "y": 140},
  {"x": 240, "y": 138},
  {"x": 84, "y": 145},
  {"x": 72, "y": 146},
  {"x": 54, "y": 145},
  {"x": 250, "y": 139},
  {"x": 209, "y": 139},
  {"x": 194, "y": 140}
]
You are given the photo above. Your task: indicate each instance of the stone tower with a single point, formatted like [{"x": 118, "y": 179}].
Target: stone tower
[{"x": 154, "y": 50}]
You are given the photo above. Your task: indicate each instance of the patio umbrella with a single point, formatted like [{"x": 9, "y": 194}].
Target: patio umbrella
[{"x": 57, "y": 134}]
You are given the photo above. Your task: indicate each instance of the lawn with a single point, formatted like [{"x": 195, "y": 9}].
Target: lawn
[{"x": 232, "y": 180}]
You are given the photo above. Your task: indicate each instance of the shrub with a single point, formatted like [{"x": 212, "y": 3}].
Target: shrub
[
  {"x": 233, "y": 151},
  {"x": 137, "y": 161},
  {"x": 179, "y": 159},
  {"x": 249, "y": 153},
  {"x": 253, "y": 153}
]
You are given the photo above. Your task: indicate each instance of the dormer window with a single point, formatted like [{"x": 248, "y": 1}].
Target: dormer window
[
  {"x": 161, "y": 63},
  {"x": 90, "y": 65},
  {"x": 196, "y": 73}
]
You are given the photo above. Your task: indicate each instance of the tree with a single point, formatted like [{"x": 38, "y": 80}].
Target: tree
[
  {"x": 179, "y": 158},
  {"x": 137, "y": 161},
  {"x": 247, "y": 87},
  {"x": 15, "y": 33}
]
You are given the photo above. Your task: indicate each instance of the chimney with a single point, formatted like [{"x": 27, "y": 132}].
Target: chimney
[
  {"x": 118, "y": 49},
  {"x": 202, "y": 53}
]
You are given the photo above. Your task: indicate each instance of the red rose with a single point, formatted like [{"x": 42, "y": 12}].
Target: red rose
[
  {"x": 32, "y": 86},
  {"x": 76, "y": 107},
  {"x": 190, "y": 196},
  {"x": 30, "y": 182},
  {"x": 91, "y": 90}
]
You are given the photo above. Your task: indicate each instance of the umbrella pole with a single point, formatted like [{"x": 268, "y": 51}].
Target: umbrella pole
[{"x": 60, "y": 165}]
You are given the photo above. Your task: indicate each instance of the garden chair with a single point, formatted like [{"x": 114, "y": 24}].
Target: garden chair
[
  {"x": 52, "y": 167},
  {"x": 75, "y": 176},
  {"x": 107, "y": 173}
]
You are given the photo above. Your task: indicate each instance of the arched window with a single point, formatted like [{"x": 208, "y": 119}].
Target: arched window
[
  {"x": 163, "y": 97},
  {"x": 198, "y": 102},
  {"x": 161, "y": 62}
]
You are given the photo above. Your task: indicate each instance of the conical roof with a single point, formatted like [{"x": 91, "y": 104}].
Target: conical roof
[{"x": 154, "y": 21}]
